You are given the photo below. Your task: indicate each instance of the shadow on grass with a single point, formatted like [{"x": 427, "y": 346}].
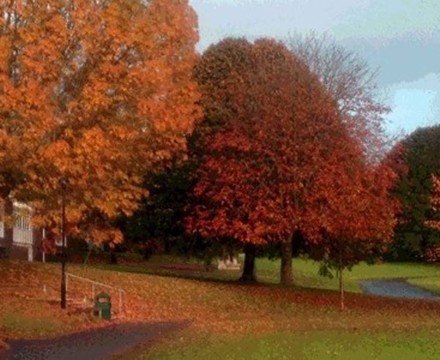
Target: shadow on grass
[{"x": 212, "y": 276}]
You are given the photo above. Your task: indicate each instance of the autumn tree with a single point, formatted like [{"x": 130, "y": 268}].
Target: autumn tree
[
  {"x": 352, "y": 84},
  {"x": 218, "y": 73},
  {"x": 358, "y": 224},
  {"x": 98, "y": 93},
  {"x": 269, "y": 131}
]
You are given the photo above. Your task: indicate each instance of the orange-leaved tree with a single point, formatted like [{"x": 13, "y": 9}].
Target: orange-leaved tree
[
  {"x": 358, "y": 222},
  {"x": 269, "y": 131},
  {"x": 223, "y": 195},
  {"x": 97, "y": 93}
]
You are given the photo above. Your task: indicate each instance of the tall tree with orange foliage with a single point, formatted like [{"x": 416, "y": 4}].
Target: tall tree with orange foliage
[
  {"x": 96, "y": 92},
  {"x": 270, "y": 132},
  {"x": 277, "y": 160},
  {"x": 223, "y": 193},
  {"x": 358, "y": 220}
]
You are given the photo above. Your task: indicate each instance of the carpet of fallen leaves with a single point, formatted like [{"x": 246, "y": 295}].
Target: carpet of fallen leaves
[{"x": 31, "y": 291}]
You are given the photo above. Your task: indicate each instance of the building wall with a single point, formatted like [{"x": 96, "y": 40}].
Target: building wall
[
  {"x": 21, "y": 241},
  {"x": 6, "y": 239},
  {"x": 19, "y": 253}
]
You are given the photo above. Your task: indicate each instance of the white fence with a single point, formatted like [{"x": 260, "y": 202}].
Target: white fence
[
  {"x": 94, "y": 285},
  {"x": 22, "y": 230}
]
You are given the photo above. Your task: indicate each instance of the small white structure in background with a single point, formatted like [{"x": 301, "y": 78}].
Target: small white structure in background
[
  {"x": 23, "y": 238},
  {"x": 230, "y": 263},
  {"x": 22, "y": 232}
]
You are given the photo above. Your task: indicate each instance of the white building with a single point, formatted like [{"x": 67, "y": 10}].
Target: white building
[{"x": 22, "y": 240}]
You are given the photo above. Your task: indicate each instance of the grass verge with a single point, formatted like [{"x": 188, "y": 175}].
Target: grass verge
[{"x": 307, "y": 345}]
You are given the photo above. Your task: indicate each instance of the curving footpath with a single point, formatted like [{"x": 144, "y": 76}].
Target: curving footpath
[
  {"x": 398, "y": 288},
  {"x": 93, "y": 344}
]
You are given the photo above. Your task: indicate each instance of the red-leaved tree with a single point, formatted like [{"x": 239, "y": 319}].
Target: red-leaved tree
[{"x": 269, "y": 135}]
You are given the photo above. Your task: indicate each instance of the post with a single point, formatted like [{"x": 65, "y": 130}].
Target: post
[
  {"x": 63, "y": 183},
  {"x": 44, "y": 254},
  {"x": 341, "y": 286}
]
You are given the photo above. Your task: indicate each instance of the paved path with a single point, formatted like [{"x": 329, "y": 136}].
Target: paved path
[
  {"x": 94, "y": 344},
  {"x": 396, "y": 288}
]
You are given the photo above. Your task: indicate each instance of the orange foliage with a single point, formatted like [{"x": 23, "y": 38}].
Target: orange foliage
[
  {"x": 435, "y": 201},
  {"x": 97, "y": 93},
  {"x": 277, "y": 157}
]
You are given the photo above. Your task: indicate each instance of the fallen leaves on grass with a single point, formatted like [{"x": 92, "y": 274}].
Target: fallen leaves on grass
[{"x": 214, "y": 307}]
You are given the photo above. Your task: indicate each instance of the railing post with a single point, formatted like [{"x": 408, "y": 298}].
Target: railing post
[{"x": 94, "y": 283}]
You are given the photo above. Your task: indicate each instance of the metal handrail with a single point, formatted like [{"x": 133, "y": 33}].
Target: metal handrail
[{"x": 120, "y": 291}]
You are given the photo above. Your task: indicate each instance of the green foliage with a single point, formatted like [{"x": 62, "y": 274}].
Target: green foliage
[
  {"x": 157, "y": 225},
  {"x": 414, "y": 188},
  {"x": 324, "y": 270}
]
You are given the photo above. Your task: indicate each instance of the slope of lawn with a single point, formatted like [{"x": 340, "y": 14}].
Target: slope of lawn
[
  {"x": 30, "y": 302},
  {"x": 305, "y": 274},
  {"x": 428, "y": 283},
  {"x": 310, "y": 345},
  {"x": 224, "y": 317}
]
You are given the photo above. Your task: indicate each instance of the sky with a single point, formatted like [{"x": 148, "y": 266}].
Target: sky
[{"x": 401, "y": 38}]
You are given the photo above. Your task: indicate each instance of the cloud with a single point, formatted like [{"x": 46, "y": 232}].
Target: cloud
[
  {"x": 401, "y": 37},
  {"x": 414, "y": 104},
  {"x": 391, "y": 19},
  {"x": 403, "y": 59},
  {"x": 274, "y": 18}
]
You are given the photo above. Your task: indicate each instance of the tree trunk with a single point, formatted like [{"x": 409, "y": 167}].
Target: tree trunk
[
  {"x": 286, "y": 277},
  {"x": 341, "y": 287},
  {"x": 8, "y": 225},
  {"x": 248, "y": 274},
  {"x": 113, "y": 257}
]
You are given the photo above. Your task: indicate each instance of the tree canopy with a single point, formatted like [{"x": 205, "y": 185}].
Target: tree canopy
[
  {"x": 263, "y": 111},
  {"x": 414, "y": 189},
  {"x": 277, "y": 157},
  {"x": 351, "y": 83},
  {"x": 96, "y": 92}
]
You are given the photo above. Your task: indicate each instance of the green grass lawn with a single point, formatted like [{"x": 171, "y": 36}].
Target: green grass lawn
[
  {"x": 305, "y": 274},
  {"x": 229, "y": 320},
  {"x": 310, "y": 345},
  {"x": 428, "y": 283},
  {"x": 356, "y": 336}
]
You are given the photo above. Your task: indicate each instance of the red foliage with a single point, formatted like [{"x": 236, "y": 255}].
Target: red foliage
[
  {"x": 435, "y": 201},
  {"x": 278, "y": 158}
]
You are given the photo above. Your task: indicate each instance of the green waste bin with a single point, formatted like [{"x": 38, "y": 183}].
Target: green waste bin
[{"x": 103, "y": 306}]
